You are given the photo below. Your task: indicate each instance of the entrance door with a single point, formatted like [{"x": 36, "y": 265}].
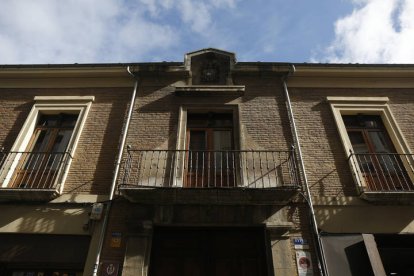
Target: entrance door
[
  {"x": 380, "y": 164},
  {"x": 210, "y": 159},
  {"x": 208, "y": 252}
]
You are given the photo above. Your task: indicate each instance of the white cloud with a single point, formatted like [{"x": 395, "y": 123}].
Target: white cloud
[
  {"x": 224, "y": 3},
  {"x": 47, "y": 31},
  {"x": 50, "y": 31},
  {"x": 195, "y": 13},
  {"x": 377, "y": 31}
]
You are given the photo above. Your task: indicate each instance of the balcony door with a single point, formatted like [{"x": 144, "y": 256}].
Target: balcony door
[
  {"x": 380, "y": 164},
  {"x": 210, "y": 159},
  {"x": 40, "y": 163}
]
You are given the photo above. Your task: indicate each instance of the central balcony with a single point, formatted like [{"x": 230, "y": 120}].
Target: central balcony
[{"x": 206, "y": 176}]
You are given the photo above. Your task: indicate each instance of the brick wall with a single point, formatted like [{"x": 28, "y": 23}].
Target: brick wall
[
  {"x": 263, "y": 117},
  {"x": 263, "y": 122}
]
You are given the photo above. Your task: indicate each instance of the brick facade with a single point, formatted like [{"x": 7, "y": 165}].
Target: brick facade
[
  {"x": 263, "y": 124},
  {"x": 254, "y": 95}
]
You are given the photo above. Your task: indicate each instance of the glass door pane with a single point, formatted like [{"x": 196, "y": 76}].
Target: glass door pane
[
  {"x": 197, "y": 158},
  {"x": 222, "y": 144},
  {"x": 198, "y": 140}
]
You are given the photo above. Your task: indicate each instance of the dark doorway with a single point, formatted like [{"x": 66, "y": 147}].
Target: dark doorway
[
  {"x": 397, "y": 253},
  {"x": 208, "y": 252}
]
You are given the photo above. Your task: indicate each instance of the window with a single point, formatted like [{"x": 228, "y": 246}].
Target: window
[
  {"x": 210, "y": 159},
  {"x": 42, "y": 153},
  {"x": 207, "y": 139},
  {"x": 378, "y": 153},
  {"x": 380, "y": 164},
  {"x": 46, "y": 152}
]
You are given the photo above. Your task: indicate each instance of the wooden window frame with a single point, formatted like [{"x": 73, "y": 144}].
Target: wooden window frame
[
  {"x": 182, "y": 135},
  {"x": 208, "y": 161},
  {"x": 29, "y": 164}
]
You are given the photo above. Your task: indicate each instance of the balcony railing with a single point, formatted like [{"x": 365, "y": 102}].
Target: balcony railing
[
  {"x": 209, "y": 169},
  {"x": 384, "y": 172},
  {"x": 32, "y": 170}
]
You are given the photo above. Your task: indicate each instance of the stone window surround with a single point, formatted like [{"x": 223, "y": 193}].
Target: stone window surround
[
  {"x": 51, "y": 105},
  {"x": 370, "y": 106}
]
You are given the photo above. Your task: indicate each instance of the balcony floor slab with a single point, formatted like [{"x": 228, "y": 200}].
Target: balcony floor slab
[
  {"x": 34, "y": 195},
  {"x": 390, "y": 197},
  {"x": 224, "y": 196}
]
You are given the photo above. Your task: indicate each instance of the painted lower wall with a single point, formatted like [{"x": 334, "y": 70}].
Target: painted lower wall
[
  {"x": 354, "y": 215},
  {"x": 52, "y": 220}
]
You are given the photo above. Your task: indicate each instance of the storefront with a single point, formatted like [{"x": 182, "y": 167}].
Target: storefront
[{"x": 43, "y": 255}]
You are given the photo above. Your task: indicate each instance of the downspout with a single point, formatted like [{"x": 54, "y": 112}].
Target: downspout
[
  {"x": 116, "y": 172},
  {"x": 308, "y": 197}
]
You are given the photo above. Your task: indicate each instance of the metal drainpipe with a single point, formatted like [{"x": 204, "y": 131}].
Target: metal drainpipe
[
  {"x": 116, "y": 173},
  {"x": 321, "y": 260}
]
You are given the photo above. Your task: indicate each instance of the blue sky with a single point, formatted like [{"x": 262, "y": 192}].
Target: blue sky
[{"x": 95, "y": 31}]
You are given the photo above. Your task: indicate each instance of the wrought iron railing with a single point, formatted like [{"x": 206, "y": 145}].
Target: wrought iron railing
[
  {"x": 32, "y": 170},
  {"x": 204, "y": 169},
  {"x": 384, "y": 172}
]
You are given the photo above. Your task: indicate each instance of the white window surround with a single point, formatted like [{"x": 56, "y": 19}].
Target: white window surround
[
  {"x": 50, "y": 105},
  {"x": 369, "y": 106}
]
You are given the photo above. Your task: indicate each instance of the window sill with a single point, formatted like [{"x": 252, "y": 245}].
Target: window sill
[{"x": 389, "y": 197}]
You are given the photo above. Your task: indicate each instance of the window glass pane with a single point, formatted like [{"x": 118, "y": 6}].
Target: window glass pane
[
  {"x": 47, "y": 120},
  {"x": 358, "y": 143},
  {"x": 49, "y": 142},
  {"x": 198, "y": 143},
  {"x": 222, "y": 140},
  {"x": 62, "y": 140},
  {"x": 374, "y": 150},
  {"x": 53, "y": 133},
  {"x": 222, "y": 143},
  {"x": 197, "y": 120},
  {"x": 210, "y": 119},
  {"x": 363, "y": 121},
  {"x": 379, "y": 142},
  {"x": 198, "y": 140},
  {"x": 68, "y": 120},
  {"x": 41, "y": 140},
  {"x": 360, "y": 147}
]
